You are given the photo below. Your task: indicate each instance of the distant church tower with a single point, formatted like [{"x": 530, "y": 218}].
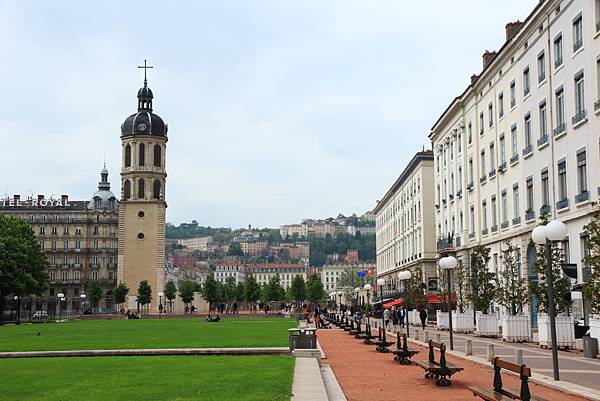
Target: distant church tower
[{"x": 142, "y": 207}]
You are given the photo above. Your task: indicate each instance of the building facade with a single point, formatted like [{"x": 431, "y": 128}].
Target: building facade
[
  {"x": 332, "y": 272},
  {"x": 79, "y": 239},
  {"x": 202, "y": 244},
  {"x": 143, "y": 207},
  {"x": 523, "y": 140},
  {"x": 405, "y": 226}
]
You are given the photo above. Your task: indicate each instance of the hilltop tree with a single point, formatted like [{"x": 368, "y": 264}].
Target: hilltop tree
[
  {"x": 513, "y": 293},
  {"x": 485, "y": 287}
]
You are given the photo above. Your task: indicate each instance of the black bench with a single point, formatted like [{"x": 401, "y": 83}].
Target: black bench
[
  {"x": 402, "y": 353},
  {"x": 357, "y": 329},
  {"x": 440, "y": 370},
  {"x": 497, "y": 392},
  {"x": 381, "y": 343},
  {"x": 349, "y": 326},
  {"x": 366, "y": 336}
]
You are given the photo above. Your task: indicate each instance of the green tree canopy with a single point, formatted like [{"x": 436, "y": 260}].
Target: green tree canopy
[
  {"x": 251, "y": 290},
  {"x": 298, "y": 289},
  {"x": 591, "y": 286},
  {"x": 93, "y": 293},
  {"x": 120, "y": 293},
  {"x": 235, "y": 249},
  {"x": 210, "y": 290},
  {"x": 273, "y": 290},
  {"x": 485, "y": 287},
  {"x": 513, "y": 293},
  {"x": 186, "y": 291},
  {"x": 229, "y": 289},
  {"x": 462, "y": 286},
  {"x": 144, "y": 293},
  {"x": 170, "y": 290},
  {"x": 315, "y": 292}
]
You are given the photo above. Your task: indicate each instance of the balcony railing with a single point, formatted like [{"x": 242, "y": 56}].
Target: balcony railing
[
  {"x": 558, "y": 62},
  {"x": 494, "y": 228},
  {"x": 484, "y": 231},
  {"x": 502, "y": 167},
  {"x": 560, "y": 129},
  {"x": 577, "y": 45},
  {"x": 597, "y": 105},
  {"x": 470, "y": 186},
  {"x": 482, "y": 179},
  {"x": 492, "y": 173},
  {"x": 445, "y": 244},
  {"x": 516, "y": 220},
  {"x": 514, "y": 158},
  {"x": 543, "y": 140},
  {"x": 527, "y": 150},
  {"x": 579, "y": 117},
  {"x": 504, "y": 224},
  {"x": 529, "y": 215},
  {"x": 582, "y": 197},
  {"x": 562, "y": 204},
  {"x": 545, "y": 209},
  {"x": 541, "y": 77}
]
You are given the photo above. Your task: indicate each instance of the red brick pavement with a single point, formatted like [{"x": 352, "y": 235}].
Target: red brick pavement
[{"x": 366, "y": 375}]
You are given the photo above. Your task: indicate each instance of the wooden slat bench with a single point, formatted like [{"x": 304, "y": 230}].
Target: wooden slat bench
[
  {"x": 349, "y": 326},
  {"x": 382, "y": 343},
  {"x": 440, "y": 370},
  {"x": 355, "y": 329},
  {"x": 367, "y": 337},
  {"x": 498, "y": 393},
  {"x": 402, "y": 353}
]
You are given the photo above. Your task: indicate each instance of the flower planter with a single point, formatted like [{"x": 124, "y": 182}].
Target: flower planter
[
  {"x": 415, "y": 320},
  {"x": 442, "y": 320},
  {"x": 487, "y": 325},
  {"x": 595, "y": 326},
  {"x": 462, "y": 322},
  {"x": 516, "y": 328},
  {"x": 565, "y": 331}
]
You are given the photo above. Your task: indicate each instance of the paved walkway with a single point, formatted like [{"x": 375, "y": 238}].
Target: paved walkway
[{"x": 365, "y": 374}]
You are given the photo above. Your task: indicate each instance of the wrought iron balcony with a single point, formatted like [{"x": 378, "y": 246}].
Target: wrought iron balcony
[
  {"x": 484, "y": 231},
  {"x": 582, "y": 197},
  {"x": 562, "y": 204},
  {"x": 502, "y": 167},
  {"x": 445, "y": 244},
  {"x": 527, "y": 150},
  {"x": 597, "y": 105},
  {"x": 492, "y": 173},
  {"x": 541, "y": 77},
  {"x": 545, "y": 209},
  {"x": 514, "y": 158},
  {"x": 494, "y": 228},
  {"x": 482, "y": 179},
  {"x": 516, "y": 220},
  {"x": 529, "y": 215},
  {"x": 560, "y": 129},
  {"x": 504, "y": 224},
  {"x": 543, "y": 140},
  {"x": 582, "y": 115},
  {"x": 470, "y": 186},
  {"x": 577, "y": 45}
]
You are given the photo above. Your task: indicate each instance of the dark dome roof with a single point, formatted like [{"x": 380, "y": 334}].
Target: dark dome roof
[
  {"x": 145, "y": 92},
  {"x": 144, "y": 123}
]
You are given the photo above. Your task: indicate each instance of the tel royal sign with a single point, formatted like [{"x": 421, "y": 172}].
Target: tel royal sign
[{"x": 11, "y": 202}]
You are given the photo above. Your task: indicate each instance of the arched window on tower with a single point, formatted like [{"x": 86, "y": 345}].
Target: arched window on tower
[
  {"x": 156, "y": 189},
  {"x": 157, "y": 155},
  {"x": 141, "y": 189},
  {"x": 127, "y": 189},
  {"x": 142, "y": 154},
  {"x": 127, "y": 155}
]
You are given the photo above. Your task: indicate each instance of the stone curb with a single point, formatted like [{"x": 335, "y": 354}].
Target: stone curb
[
  {"x": 308, "y": 382},
  {"x": 148, "y": 352},
  {"x": 547, "y": 381}
]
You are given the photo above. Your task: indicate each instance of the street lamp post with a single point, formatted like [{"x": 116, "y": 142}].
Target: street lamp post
[
  {"x": 17, "y": 309},
  {"x": 160, "y": 305},
  {"x": 367, "y": 287},
  {"x": 380, "y": 284},
  {"x": 404, "y": 276},
  {"x": 82, "y": 296},
  {"x": 544, "y": 235},
  {"x": 60, "y": 296},
  {"x": 339, "y": 294},
  {"x": 448, "y": 263}
]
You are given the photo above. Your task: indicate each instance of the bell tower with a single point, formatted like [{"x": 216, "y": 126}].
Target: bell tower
[{"x": 142, "y": 208}]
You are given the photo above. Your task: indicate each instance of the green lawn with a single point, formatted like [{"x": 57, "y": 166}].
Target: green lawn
[
  {"x": 164, "y": 378},
  {"x": 149, "y": 333}
]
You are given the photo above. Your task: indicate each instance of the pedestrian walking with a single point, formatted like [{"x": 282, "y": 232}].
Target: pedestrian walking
[
  {"x": 423, "y": 316},
  {"x": 386, "y": 316},
  {"x": 402, "y": 315}
]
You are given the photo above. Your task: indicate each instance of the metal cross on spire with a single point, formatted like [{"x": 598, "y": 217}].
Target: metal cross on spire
[{"x": 145, "y": 67}]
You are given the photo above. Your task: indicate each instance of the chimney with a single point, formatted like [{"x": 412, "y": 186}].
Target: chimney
[
  {"x": 40, "y": 198},
  {"x": 512, "y": 28},
  {"x": 488, "y": 57},
  {"x": 474, "y": 78},
  {"x": 64, "y": 199}
]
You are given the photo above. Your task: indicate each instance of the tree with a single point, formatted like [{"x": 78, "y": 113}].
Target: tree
[
  {"x": 170, "y": 291},
  {"x": 591, "y": 285},
  {"x": 273, "y": 290},
  {"x": 120, "y": 293},
  {"x": 315, "y": 292},
  {"x": 186, "y": 291},
  {"x": 23, "y": 265},
  {"x": 239, "y": 292},
  {"x": 561, "y": 285},
  {"x": 298, "y": 289},
  {"x": 93, "y": 293},
  {"x": 484, "y": 283},
  {"x": 512, "y": 292},
  {"x": 229, "y": 289},
  {"x": 235, "y": 249},
  {"x": 462, "y": 281},
  {"x": 414, "y": 290},
  {"x": 210, "y": 290},
  {"x": 349, "y": 278},
  {"x": 251, "y": 291},
  {"x": 144, "y": 294}
]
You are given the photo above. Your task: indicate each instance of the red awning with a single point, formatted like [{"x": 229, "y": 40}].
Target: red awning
[{"x": 394, "y": 302}]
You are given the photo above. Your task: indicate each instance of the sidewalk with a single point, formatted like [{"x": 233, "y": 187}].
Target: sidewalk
[{"x": 365, "y": 374}]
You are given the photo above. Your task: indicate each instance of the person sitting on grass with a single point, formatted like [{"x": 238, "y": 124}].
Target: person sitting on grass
[{"x": 209, "y": 318}]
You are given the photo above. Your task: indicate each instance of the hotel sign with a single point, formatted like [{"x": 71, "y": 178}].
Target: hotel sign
[{"x": 12, "y": 202}]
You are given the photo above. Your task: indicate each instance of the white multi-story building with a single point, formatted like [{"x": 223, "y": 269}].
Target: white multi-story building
[
  {"x": 288, "y": 230},
  {"x": 331, "y": 273},
  {"x": 263, "y": 273},
  {"x": 405, "y": 224},
  {"x": 226, "y": 269},
  {"x": 203, "y": 244},
  {"x": 523, "y": 139}
]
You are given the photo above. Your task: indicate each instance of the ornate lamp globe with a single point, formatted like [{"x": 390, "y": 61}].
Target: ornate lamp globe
[
  {"x": 380, "y": 281},
  {"x": 538, "y": 235},
  {"x": 367, "y": 287},
  {"x": 556, "y": 230}
]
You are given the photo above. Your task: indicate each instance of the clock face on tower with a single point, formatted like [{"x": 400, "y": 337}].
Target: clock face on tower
[{"x": 142, "y": 127}]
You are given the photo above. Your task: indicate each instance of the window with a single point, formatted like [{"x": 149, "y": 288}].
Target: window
[
  {"x": 502, "y": 149},
  {"x": 470, "y": 130},
  {"x": 566, "y": 248},
  {"x": 65, "y": 276},
  {"x": 77, "y": 244},
  {"x": 529, "y": 194},
  {"x": 558, "y": 51},
  {"x": 492, "y": 158},
  {"x": 484, "y": 214},
  {"x": 460, "y": 181},
  {"x": 597, "y": 79},
  {"x": 514, "y": 140},
  {"x": 141, "y": 188},
  {"x": 504, "y": 200},
  {"x": 597, "y": 15},
  {"x": 42, "y": 230},
  {"x": 127, "y": 189},
  {"x": 501, "y": 105},
  {"x": 516, "y": 206},
  {"x": 66, "y": 245},
  {"x": 77, "y": 276},
  {"x": 494, "y": 212},
  {"x": 471, "y": 171},
  {"x": 142, "y": 154},
  {"x": 472, "y": 217},
  {"x": 562, "y": 179},
  {"x": 577, "y": 33},
  {"x": 157, "y": 156},
  {"x": 459, "y": 143},
  {"x": 482, "y": 163},
  {"x": 513, "y": 94},
  {"x": 579, "y": 98},
  {"x": 527, "y": 130},
  {"x": 545, "y": 188},
  {"x": 560, "y": 111},
  {"x": 543, "y": 122},
  {"x": 53, "y": 276},
  {"x": 541, "y": 62},
  {"x": 526, "y": 82},
  {"x": 582, "y": 171},
  {"x": 490, "y": 114},
  {"x": 481, "y": 123},
  {"x": 95, "y": 275},
  {"x": 156, "y": 189},
  {"x": 127, "y": 155}
]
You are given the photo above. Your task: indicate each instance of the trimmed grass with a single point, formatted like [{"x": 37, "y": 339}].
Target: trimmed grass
[
  {"x": 150, "y": 333},
  {"x": 165, "y": 378}
]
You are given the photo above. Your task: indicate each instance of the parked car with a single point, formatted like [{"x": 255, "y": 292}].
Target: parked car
[{"x": 40, "y": 314}]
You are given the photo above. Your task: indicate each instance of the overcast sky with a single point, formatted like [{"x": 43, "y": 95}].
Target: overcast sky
[{"x": 277, "y": 110}]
